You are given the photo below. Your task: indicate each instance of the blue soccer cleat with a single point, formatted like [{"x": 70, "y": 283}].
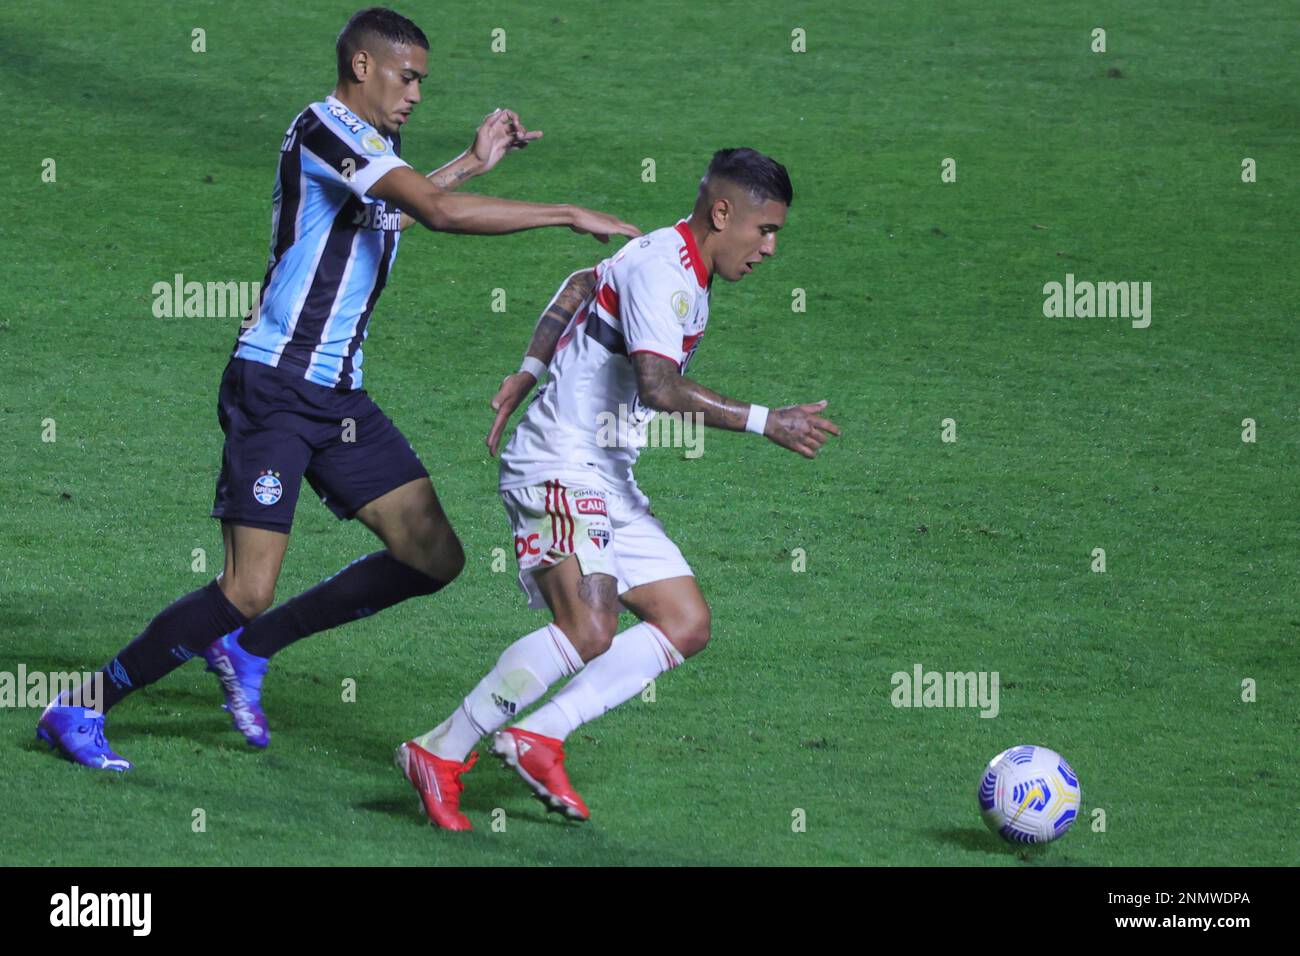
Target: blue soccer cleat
[
  {"x": 78, "y": 734},
  {"x": 241, "y": 676}
]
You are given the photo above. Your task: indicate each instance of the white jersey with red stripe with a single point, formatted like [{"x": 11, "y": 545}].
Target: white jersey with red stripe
[{"x": 587, "y": 425}]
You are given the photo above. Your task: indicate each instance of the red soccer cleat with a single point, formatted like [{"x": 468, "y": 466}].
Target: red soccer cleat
[
  {"x": 438, "y": 781},
  {"x": 540, "y": 761}
]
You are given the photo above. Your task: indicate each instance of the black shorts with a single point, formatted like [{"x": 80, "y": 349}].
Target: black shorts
[{"x": 280, "y": 427}]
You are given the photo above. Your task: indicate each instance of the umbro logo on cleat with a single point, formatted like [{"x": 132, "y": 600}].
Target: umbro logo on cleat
[{"x": 524, "y": 747}]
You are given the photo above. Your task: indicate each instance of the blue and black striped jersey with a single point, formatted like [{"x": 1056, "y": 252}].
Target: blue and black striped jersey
[{"x": 332, "y": 248}]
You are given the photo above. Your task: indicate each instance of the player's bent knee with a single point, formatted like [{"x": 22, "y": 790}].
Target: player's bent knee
[
  {"x": 590, "y": 636},
  {"x": 689, "y": 632},
  {"x": 250, "y": 599},
  {"x": 439, "y": 557},
  {"x": 445, "y": 557},
  {"x": 453, "y": 557}
]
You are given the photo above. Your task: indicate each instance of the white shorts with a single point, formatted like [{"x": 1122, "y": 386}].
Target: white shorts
[{"x": 608, "y": 533}]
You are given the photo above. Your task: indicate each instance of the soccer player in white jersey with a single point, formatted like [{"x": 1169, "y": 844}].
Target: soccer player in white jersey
[{"x": 617, "y": 340}]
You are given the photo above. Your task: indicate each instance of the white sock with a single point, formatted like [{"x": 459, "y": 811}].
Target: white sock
[
  {"x": 637, "y": 656},
  {"x": 522, "y": 674}
]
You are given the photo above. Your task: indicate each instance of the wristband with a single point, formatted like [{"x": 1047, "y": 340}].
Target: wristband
[
  {"x": 533, "y": 366},
  {"x": 757, "y": 419}
]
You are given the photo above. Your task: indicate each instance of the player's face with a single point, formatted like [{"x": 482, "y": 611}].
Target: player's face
[
  {"x": 749, "y": 237},
  {"x": 393, "y": 87}
]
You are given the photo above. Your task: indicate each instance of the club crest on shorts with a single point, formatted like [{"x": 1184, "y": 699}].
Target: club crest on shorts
[
  {"x": 267, "y": 488},
  {"x": 599, "y": 537}
]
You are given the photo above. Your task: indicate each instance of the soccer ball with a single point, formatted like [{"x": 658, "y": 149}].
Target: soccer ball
[{"x": 1029, "y": 795}]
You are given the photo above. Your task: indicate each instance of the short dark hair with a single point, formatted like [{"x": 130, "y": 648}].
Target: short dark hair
[
  {"x": 368, "y": 24},
  {"x": 761, "y": 176}
]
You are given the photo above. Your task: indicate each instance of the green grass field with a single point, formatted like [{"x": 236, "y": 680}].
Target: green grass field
[{"x": 924, "y": 302}]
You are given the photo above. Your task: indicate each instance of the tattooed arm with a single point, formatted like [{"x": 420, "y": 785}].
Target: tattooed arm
[
  {"x": 501, "y": 132},
  {"x": 448, "y": 177},
  {"x": 664, "y": 388},
  {"x": 557, "y": 315},
  {"x": 514, "y": 388}
]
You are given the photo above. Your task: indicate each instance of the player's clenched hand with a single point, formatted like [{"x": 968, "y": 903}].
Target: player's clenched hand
[
  {"x": 512, "y": 391},
  {"x": 601, "y": 225},
  {"x": 500, "y": 132},
  {"x": 800, "y": 428}
]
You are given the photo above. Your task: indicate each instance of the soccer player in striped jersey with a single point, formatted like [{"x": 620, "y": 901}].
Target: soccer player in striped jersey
[
  {"x": 291, "y": 401},
  {"x": 617, "y": 340}
]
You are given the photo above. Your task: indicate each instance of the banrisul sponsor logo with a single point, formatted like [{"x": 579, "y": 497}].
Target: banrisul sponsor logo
[
  {"x": 78, "y": 909},
  {"x": 377, "y": 215}
]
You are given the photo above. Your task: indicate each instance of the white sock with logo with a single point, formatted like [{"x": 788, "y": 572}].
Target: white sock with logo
[
  {"x": 522, "y": 675},
  {"x": 637, "y": 656}
]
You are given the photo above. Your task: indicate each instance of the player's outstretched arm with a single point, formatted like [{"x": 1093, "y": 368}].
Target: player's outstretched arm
[
  {"x": 500, "y": 132},
  {"x": 554, "y": 320},
  {"x": 663, "y": 387},
  {"x": 444, "y": 211}
]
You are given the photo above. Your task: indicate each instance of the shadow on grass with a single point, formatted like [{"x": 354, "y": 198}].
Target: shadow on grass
[
  {"x": 976, "y": 840},
  {"x": 982, "y": 841}
]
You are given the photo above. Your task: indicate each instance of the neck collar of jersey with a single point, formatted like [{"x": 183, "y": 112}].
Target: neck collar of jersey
[{"x": 693, "y": 253}]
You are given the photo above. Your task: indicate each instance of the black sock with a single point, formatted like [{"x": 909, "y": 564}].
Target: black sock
[
  {"x": 365, "y": 586},
  {"x": 179, "y": 632}
]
